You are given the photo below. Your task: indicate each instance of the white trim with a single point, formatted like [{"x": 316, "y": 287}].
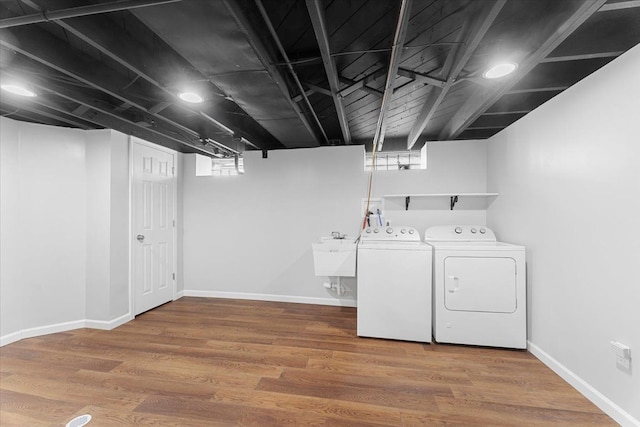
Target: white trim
[
  {"x": 49, "y": 329},
  {"x": 601, "y": 401},
  {"x": 270, "y": 297},
  {"x": 108, "y": 325},
  {"x": 64, "y": 327},
  {"x": 179, "y": 295}
]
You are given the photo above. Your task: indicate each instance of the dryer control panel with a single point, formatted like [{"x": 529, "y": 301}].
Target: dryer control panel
[
  {"x": 459, "y": 233},
  {"x": 390, "y": 234}
]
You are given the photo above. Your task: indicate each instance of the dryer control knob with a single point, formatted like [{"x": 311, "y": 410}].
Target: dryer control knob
[
  {"x": 473, "y": 230},
  {"x": 403, "y": 231},
  {"x": 368, "y": 230},
  {"x": 458, "y": 230},
  {"x": 411, "y": 231},
  {"x": 389, "y": 230},
  {"x": 482, "y": 231},
  {"x": 376, "y": 230}
]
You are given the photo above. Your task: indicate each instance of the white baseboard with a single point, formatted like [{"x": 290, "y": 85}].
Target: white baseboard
[
  {"x": 108, "y": 325},
  {"x": 601, "y": 401},
  {"x": 41, "y": 330},
  {"x": 63, "y": 327},
  {"x": 179, "y": 295},
  {"x": 271, "y": 297}
]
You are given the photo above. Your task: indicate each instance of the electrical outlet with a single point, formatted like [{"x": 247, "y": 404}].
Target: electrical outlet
[{"x": 622, "y": 353}]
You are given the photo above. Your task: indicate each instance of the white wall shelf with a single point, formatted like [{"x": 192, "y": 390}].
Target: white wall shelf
[{"x": 438, "y": 200}]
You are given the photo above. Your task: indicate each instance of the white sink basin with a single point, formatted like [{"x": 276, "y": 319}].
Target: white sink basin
[{"x": 335, "y": 257}]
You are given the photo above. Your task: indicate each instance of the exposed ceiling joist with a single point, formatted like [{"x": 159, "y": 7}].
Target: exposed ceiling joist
[
  {"x": 537, "y": 89},
  {"x": 363, "y": 87},
  {"x": 470, "y": 38},
  {"x": 318, "y": 89},
  {"x": 421, "y": 77},
  {"x": 36, "y": 106},
  {"x": 45, "y": 50},
  {"x": 394, "y": 62},
  {"x": 138, "y": 60},
  {"x": 582, "y": 57},
  {"x": 300, "y": 97},
  {"x": 132, "y": 64},
  {"x": 94, "y": 9},
  {"x": 78, "y": 112},
  {"x": 267, "y": 61},
  {"x": 102, "y": 115},
  {"x": 362, "y": 83},
  {"x": 621, "y": 5},
  {"x": 484, "y": 97},
  {"x": 318, "y": 21}
]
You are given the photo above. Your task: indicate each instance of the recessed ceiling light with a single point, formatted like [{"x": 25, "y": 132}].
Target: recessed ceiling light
[
  {"x": 18, "y": 90},
  {"x": 500, "y": 70},
  {"x": 191, "y": 97}
]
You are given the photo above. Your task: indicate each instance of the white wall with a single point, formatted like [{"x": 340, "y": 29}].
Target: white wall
[
  {"x": 64, "y": 234},
  {"x": 10, "y": 258},
  {"x": 568, "y": 175},
  {"x": 107, "y": 274},
  {"x": 43, "y": 226},
  {"x": 250, "y": 236}
]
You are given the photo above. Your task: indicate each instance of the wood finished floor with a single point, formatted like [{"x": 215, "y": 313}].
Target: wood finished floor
[{"x": 211, "y": 362}]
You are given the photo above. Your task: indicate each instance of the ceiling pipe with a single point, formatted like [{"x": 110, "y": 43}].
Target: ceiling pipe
[
  {"x": 274, "y": 34},
  {"x": 394, "y": 62},
  {"x": 75, "y": 12}
]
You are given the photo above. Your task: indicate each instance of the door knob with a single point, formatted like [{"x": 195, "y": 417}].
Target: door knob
[{"x": 140, "y": 238}]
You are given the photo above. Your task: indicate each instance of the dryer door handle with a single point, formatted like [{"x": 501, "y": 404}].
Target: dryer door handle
[{"x": 454, "y": 281}]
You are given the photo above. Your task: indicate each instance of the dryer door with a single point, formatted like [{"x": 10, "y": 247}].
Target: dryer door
[{"x": 484, "y": 284}]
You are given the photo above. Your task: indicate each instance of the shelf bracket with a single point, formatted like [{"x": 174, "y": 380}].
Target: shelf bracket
[
  {"x": 454, "y": 200},
  {"x": 407, "y": 200}
]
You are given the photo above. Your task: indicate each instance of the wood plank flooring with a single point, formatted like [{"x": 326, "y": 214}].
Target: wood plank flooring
[{"x": 213, "y": 362}]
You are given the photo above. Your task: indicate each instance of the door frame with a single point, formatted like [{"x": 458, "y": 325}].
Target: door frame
[{"x": 174, "y": 189}]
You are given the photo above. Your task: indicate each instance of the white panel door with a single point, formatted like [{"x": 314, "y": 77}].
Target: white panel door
[
  {"x": 153, "y": 224},
  {"x": 480, "y": 284}
]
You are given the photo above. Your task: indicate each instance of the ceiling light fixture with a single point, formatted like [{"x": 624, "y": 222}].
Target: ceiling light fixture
[
  {"x": 18, "y": 90},
  {"x": 192, "y": 97},
  {"x": 500, "y": 70}
]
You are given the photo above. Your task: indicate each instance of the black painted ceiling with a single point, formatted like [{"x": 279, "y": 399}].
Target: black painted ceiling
[{"x": 293, "y": 73}]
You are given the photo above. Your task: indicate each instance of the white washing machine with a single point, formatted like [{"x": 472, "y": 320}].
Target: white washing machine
[
  {"x": 479, "y": 288},
  {"x": 394, "y": 284}
]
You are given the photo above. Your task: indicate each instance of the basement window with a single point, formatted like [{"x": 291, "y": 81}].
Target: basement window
[
  {"x": 397, "y": 160},
  {"x": 228, "y": 166}
]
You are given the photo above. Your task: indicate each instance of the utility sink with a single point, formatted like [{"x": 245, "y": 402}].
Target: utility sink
[{"x": 335, "y": 257}]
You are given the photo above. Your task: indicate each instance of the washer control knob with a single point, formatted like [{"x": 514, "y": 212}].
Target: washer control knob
[
  {"x": 403, "y": 231},
  {"x": 458, "y": 230},
  {"x": 473, "y": 230},
  {"x": 411, "y": 231},
  {"x": 368, "y": 230},
  {"x": 482, "y": 231},
  {"x": 376, "y": 230},
  {"x": 389, "y": 230}
]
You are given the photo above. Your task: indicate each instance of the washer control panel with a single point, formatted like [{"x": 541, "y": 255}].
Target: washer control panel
[
  {"x": 459, "y": 233},
  {"x": 391, "y": 233}
]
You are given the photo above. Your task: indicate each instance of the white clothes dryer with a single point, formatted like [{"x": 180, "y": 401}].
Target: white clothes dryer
[
  {"x": 479, "y": 288},
  {"x": 394, "y": 284}
]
